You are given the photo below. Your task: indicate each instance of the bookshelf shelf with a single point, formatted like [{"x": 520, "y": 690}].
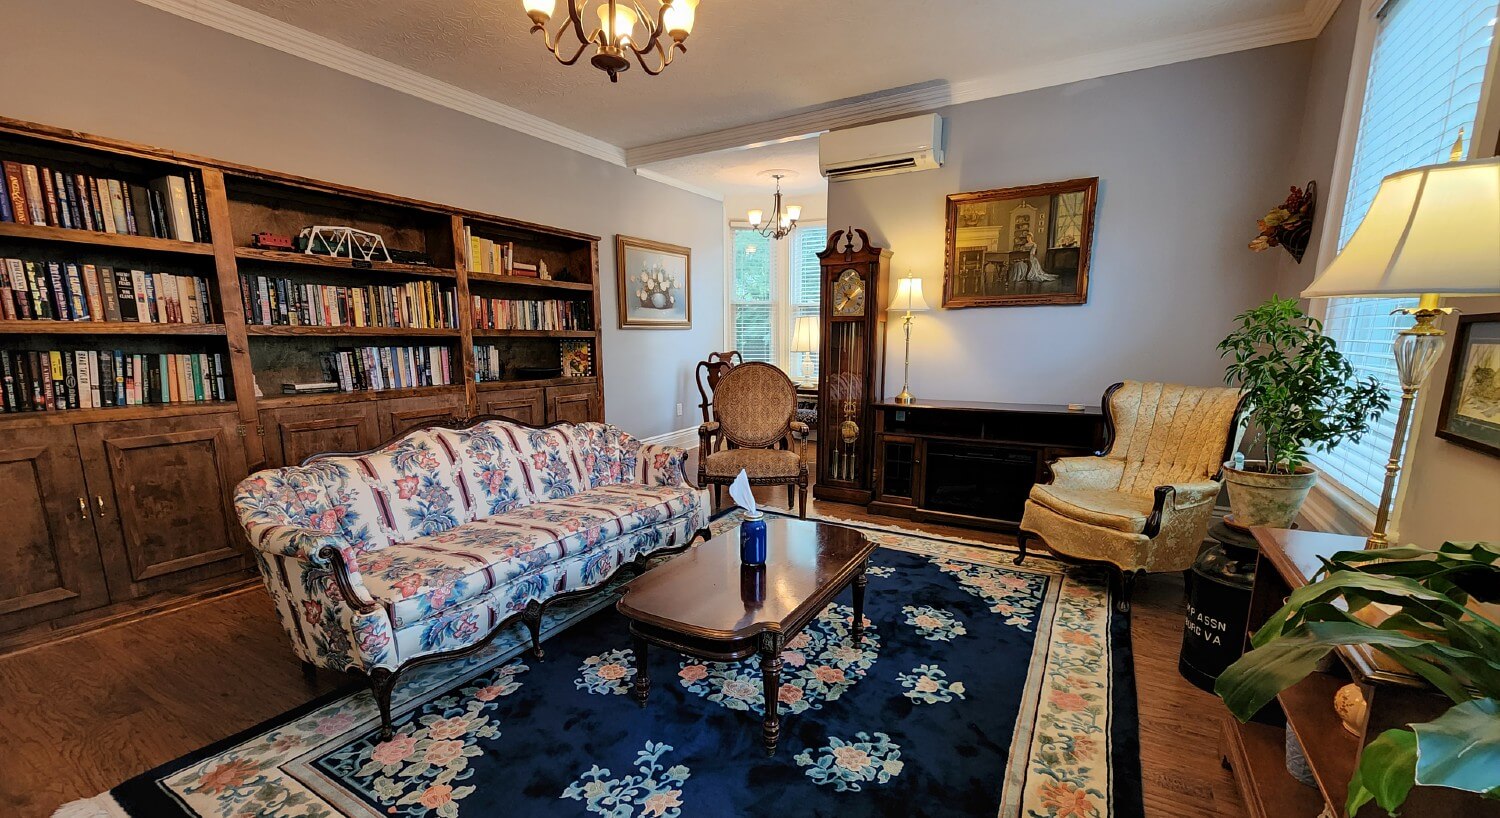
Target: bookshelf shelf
[
  {"x": 351, "y": 332},
  {"x": 534, "y": 333},
  {"x": 68, "y": 417},
  {"x": 48, "y": 327},
  {"x": 335, "y": 398},
  {"x": 306, "y": 260},
  {"x": 533, "y": 383},
  {"x": 65, "y": 235},
  {"x": 524, "y": 281}
]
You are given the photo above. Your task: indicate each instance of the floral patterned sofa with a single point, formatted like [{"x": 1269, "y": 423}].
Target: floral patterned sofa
[{"x": 424, "y": 548}]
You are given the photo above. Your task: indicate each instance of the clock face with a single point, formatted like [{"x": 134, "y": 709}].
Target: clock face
[{"x": 849, "y": 294}]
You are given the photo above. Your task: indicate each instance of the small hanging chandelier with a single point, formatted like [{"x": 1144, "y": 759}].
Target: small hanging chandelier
[
  {"x": 781, "y": 221},
  {"x": 614, "y": 40}
]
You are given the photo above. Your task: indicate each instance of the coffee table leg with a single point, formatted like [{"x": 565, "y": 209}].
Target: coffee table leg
[
  {"x": 770, "y": 671},
  {"x": 860, "y": 581},
  {"x": 642, "y": 670}
]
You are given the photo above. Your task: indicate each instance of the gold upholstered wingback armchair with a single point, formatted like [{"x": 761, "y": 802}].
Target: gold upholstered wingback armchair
[
  {"x": 754, "y": 427},
  {"x": 1145, "y": 501}
]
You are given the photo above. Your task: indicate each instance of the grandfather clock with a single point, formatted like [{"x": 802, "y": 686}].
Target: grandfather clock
[{"x": 850, "y": 367}]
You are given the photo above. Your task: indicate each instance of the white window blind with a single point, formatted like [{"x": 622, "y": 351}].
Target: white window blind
[
  {"x": 1426, "y": 73},
  {"x": 751, "y": 308},
  {"x": 803, "y": 292}
]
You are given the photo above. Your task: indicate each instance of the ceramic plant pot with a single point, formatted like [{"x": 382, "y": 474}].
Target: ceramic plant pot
[{"x": 1271, "y": 500}]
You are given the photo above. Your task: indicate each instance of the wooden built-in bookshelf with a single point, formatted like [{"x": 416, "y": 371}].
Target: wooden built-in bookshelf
[{"x": 121, "y": 487}]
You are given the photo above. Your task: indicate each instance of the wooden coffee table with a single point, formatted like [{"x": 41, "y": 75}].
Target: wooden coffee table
[{"x": 707, "y": 605}]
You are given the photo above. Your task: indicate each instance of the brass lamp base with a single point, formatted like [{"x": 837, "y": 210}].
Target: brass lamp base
[{"x": 906, "y": 398}]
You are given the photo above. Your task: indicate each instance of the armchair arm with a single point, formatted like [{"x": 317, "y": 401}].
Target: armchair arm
[
  {"x": 799, "y": 433},
  {"x": 1088, "y": 473},
  {"x": 706, "y": 434},
  {"x": 1178, "y": 500}
]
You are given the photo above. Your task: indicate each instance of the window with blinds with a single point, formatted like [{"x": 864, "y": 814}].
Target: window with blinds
[
  {"x": 803, "y": 290},
  {"x": 750, "y": 306},
  {"x": 1426, "y": 73}
]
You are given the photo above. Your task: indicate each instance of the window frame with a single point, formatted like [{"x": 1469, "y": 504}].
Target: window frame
[
  {"x": 783, "y": 311},
  {"x": 1332, "y": 506}
]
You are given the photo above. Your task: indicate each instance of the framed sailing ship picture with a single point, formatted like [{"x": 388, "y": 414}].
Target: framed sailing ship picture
[
  {"x": 1470, "y": 415},
  {"x": 1020, "y": 246},
  {"x": 654, "y": 284}
]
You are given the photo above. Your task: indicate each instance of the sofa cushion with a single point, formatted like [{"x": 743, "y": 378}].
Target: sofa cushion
[
  {"x": 548, "y": 460},
  {"x": 415, "y": 485},
  {"x": 489, "y": 471},
  {"x": 1106, "y": 509},
  {"x": 601, "y": 454},
  {"x": 420, "y": 578}
]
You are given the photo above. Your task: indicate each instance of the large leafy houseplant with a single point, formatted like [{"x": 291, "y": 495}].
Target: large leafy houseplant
[
  {"x": 1301, "y": 391},
  {"x": 1435, "y": 633}
]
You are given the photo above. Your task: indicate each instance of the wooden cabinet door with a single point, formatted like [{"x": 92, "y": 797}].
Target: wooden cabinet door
[
  {"x": 49, "y": 556},
  {"x": 295, "y": 433},
  {"x": 166, "y": 518},
  {"x": 898, "y": 469},
  {"x": 573, "y": 404},
  {"x": 397, "y": 415},
  {"x": 520, "y": 405}
]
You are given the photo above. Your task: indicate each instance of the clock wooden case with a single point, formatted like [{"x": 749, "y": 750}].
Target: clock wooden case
[{"x": 851, "y": 371}]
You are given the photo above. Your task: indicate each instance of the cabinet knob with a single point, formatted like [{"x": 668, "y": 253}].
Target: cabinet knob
[
  {"x": 83, "y": 508},
  {"x": 99, "y": 502}
]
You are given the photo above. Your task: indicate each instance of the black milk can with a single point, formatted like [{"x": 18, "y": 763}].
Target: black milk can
[{"x": 1218, "y": 605}]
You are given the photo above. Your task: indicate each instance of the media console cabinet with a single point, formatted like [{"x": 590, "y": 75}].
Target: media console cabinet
[{"x": 972, "y": 463}]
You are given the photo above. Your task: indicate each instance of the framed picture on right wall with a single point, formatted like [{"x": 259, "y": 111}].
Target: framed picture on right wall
[{"x": 1470, "y": 414}]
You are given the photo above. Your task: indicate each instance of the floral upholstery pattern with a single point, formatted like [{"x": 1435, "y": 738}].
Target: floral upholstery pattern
[{"x": 427, "y": 544}]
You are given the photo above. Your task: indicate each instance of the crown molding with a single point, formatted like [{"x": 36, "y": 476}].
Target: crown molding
[
  {"x": 1285, "y": 28},
  {"x": 289, "y": 39},
  {"x": 647, "y": 173}
]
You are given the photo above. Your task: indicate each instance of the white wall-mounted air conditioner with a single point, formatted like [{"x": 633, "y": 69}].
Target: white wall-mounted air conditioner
[{"x": 882, "y": 149}]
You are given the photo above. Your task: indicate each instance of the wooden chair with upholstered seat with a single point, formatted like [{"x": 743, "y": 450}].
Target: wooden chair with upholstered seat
[
  {"x": 1143, "y": 503},
  {"x": 753, "y": 426}
]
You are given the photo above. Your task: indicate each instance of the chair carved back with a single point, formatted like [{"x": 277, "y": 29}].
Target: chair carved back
[
  {"x": 1169, "y": 433},
  {"x": 755, "y": 404},
  {"x": 708, "y": 374}
]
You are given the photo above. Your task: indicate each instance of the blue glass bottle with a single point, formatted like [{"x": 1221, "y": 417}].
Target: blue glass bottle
[{"x": 753, "y": 539}]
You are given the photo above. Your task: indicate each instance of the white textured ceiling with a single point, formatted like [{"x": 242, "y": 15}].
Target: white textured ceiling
[
  {"x": 735, "y": 172},
  {"x": 749, "y": 62}
]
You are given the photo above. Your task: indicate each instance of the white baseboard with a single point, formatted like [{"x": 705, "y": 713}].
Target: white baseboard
[{"x": 682, "y": 438}]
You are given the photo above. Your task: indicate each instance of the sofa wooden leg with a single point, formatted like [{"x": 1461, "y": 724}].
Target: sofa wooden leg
[
  {"x": 532, "y": 616},
  {"x": 382, "y": 685},
  {"x": 1126, "y": 589},
  {"x": 1021, "y": 538}
]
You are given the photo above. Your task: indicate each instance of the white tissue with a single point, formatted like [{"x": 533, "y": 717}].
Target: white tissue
[{"x": 739, "y": 492}]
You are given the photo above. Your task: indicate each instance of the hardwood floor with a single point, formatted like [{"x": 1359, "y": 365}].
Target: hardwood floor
[{"x": 83, "y": 715}]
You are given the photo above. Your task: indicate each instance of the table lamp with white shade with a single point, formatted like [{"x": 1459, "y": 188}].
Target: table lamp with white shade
[
  {"x": 908, "y": 297},
  {"x": 1431, "y": 232},
  {"x": 805, "y": 338}
]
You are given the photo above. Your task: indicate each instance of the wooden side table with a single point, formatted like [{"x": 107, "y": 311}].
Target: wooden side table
[{"x": 1255, "y": 751}]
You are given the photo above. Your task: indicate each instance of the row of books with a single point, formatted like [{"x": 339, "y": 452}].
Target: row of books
[
  {"x": 282, "y": 302},
  {"x": 66, "y": 291},
  {"x": 512, "y": 313},
  {"x": 388, "y": 367},
  {"x": 50, "y": 380},
  {"x": 487, "y": 364},
  {"x": 168, "y": 207},
  {"x": 486, "y": 256}
]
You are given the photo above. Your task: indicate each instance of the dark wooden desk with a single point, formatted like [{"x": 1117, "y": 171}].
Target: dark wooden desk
[
  {"x": 1256, "y": 751},
  {"x": 972, "y": 462}
]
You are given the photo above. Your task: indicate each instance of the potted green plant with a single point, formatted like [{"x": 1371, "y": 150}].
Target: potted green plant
[
  {"x": 1445, "y": 628},
  {"x": 1302, "y": 395}
]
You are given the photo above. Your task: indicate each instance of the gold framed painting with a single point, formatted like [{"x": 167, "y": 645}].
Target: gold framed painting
[
  {"x": 1020, "y": 246},
  {"x": 1470, "y": 414},
  {"x": 654, "y": 284}
]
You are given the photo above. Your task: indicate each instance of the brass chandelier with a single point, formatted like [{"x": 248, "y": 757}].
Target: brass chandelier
[
  {"x": 782, "y": 220},
  {"x": 614, "y": 41}
]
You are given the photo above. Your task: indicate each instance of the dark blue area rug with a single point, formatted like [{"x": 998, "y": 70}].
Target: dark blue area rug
[{"x": 980, "y": 689}]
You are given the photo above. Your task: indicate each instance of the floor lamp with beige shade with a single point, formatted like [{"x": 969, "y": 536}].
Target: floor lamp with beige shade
[{"x": 1431, "y": 232}]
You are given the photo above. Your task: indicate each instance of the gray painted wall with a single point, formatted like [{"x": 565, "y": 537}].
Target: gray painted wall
[
  {"x": 151, "y": 77},
  {"x": 1188, "y": 156}
]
